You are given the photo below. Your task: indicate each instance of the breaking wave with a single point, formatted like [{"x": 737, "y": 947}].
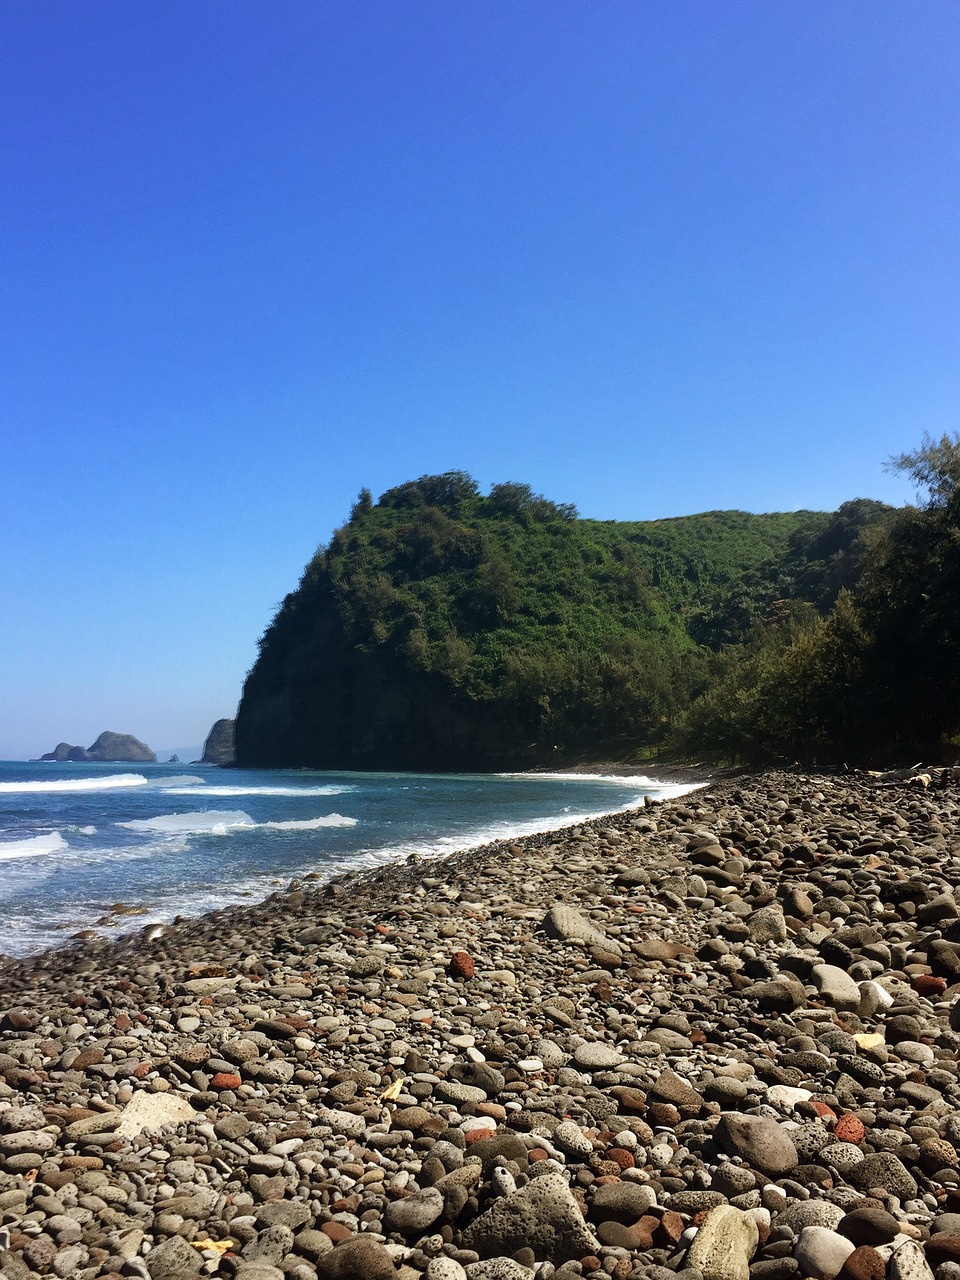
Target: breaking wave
[
  {"x": 49, "y": 843},
  {"x": 310, "y": 824},
  {"x": 223, "y": 822},
  {"x": 110, "y": 783},
  {"x": 652, "y": 787}
]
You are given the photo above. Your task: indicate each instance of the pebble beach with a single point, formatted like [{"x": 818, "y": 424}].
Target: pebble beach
[{"x": 715, "y": 1037}]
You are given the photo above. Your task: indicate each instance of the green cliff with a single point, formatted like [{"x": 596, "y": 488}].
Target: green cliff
[{"x": 445, "y": 629}]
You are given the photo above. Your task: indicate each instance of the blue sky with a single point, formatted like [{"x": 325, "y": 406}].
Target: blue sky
[{"x": 649, "y": 257}]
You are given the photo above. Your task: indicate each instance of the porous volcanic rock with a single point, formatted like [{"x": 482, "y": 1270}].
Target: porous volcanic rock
[{"x": 311, "y": 1087}]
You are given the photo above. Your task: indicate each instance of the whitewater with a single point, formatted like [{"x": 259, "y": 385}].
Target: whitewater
[{"x": 109, "y": 848}]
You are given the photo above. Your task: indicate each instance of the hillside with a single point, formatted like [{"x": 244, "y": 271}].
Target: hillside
[{"x": 444, "y": 629}]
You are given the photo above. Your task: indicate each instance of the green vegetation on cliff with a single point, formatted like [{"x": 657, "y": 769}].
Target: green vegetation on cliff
[
  {"x": 444, "y": 629},
  {"x": 878, "y": 677}
]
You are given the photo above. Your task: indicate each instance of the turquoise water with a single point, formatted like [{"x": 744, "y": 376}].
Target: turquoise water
[{"x": 78, "y": 839}]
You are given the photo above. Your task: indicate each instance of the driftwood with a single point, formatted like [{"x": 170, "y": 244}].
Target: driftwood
[{"x": 916, "y": 775}]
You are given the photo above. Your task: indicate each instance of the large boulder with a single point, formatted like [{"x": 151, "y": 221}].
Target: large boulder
[
  {"x": 542, "y": 1215},
  {"x": 724, "y": 1244},
  {"x": 567, "y": 924},
  {"x": 759, "y": 1141}
]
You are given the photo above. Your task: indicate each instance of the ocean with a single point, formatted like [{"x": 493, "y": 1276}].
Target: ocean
[{"x": 112, "y": 847}]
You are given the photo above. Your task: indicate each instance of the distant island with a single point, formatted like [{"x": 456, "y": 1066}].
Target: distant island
[{"x": 119, "y": 748}]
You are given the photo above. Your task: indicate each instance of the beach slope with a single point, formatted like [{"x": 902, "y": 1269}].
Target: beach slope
[{"x": 715, "y": 1035}]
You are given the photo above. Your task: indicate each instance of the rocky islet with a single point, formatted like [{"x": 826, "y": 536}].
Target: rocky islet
[
  {"x": 716, "y": 1037},
  {"x": 109, "y": 748}
]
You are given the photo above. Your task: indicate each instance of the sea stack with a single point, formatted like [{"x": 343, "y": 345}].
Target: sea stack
[{"x": 218, "y": 748}]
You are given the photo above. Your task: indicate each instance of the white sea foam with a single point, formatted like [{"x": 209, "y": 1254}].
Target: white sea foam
[
  {"x": 310, "y": 824},
  {"x": 51, "y": 842},
  {"x": 216, "y": 822},
  {"x": 652, "y": 787},
  {"x": 625, "y": 780},
  {"x": 222, "y": 822},
  {"x": 666, "y": 791},
  {"x": 110, "y": 783},
  {"x": 221, "y": 791},
  {"x": 199, "y": 884}
]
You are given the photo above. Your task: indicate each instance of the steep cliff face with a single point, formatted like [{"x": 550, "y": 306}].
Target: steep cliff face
[
  {"x": 109, "y": 747},
  {"x": 441, "y": 629},
  {"x": 219, "y": 747},
  {"x": 325, "y": 706}
]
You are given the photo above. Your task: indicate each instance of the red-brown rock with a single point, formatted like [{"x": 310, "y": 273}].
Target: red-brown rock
[
  {"x": 336, "y": 1231},
  {"x": 91, "y": 1057},
  {"x": 663, "y": 1115},
  {"x": 926, "y": 984},
  {"x": 621, "y": 1156},
  {"x": 225, "y": 1080},
  {"x": 942, "y": 1247},
  {"x": 865, "y": 1263},
  {"x": 670, "y": 1230},
  {"x": 461, "y": 964},
  {"x": 618, "y": 1236},
  {"x": 849, "y": 1129},
  {"x": 476, "y": 1135},
  {"x": 632, "y": 1101}
]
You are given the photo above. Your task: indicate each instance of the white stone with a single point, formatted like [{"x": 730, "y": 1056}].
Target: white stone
[
  {"x": 597, "y": 1056},
  {"x": 914, "y": 1051},
  {"x": 153, "y": 1111},
  {"x": 909, "y": 1263},
  {"x": 786, "y": 1098},
  {"x": 445, "y": 1269},
  {"x": 478, "y": 1122},
  {"x": 571, "y": 1140},
  {"x": 841, "y": 1155},
  {"x": 874, "y": 998},
  {"x": 344, "y": 1122},
  {"x": 822, "y": 1252},
  {"x": 836, "y": 986},
  {"x": 724, "y": 1244}
]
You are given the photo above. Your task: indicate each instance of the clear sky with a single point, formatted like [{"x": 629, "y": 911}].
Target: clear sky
[{"x": 651, "y": 257}]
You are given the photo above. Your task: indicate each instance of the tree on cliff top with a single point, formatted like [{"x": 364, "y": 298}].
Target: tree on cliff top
[{"x": 935, "y": 467}]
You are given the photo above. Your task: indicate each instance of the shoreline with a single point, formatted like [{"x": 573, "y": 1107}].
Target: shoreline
[
  {"x": 137, "y": 915},
  {"x": 679, "y": 773},
  {"x": 87, "y": 938},
  {"x": 389, "y": 1072}
]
